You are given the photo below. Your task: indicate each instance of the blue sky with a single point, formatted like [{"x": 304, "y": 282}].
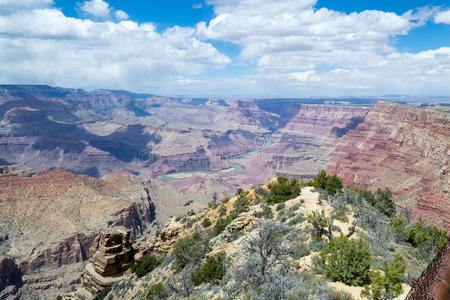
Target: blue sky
[{"x": 230, "y": 47}]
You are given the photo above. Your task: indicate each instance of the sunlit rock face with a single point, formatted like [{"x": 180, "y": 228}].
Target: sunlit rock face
[{"x": 405, "y": 148}]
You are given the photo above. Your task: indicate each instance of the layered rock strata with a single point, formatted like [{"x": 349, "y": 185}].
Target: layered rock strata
[
  {"x": 48, "y": 222},
  {"x": 406, "y": 149},
  {"x": 326, "y": 119},
  {"x": 111, "y": 256}
]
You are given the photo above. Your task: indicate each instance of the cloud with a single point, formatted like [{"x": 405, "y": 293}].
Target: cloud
[
  {"x": 197, "y": 6},
  {"x": 295, "y": 47},
  {"x": 288, "y": 48},
  {"x": 44, "y": 46},
  {"x": 96, "y": 8},
  {"x": 121, "y": 15},
  {"x": 270, "y": 31},
  {"x": 443, "y": 17}
]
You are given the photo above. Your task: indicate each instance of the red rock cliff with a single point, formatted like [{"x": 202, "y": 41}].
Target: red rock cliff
[
  {"x": 406, "y": 149},
  {"x": 321, "y": 119}
]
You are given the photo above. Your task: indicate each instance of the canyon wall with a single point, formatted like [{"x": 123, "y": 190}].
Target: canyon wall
[
  {"x": 326, "y": 119},
  {"x": 406, "y": 149},
  {"x": 48, "y": 222}
]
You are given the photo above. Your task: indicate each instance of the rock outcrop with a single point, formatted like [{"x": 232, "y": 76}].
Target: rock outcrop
[
  {"x": 406, "y": 149},
  {"x": 111, "y": 255},
  {"x": 48, "y": 222},
  {"x": 10, "y": 277}
]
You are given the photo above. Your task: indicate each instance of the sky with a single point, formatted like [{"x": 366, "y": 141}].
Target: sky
[{"x": 251, "y": 48}]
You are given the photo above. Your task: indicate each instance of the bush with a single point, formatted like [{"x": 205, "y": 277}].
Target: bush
[
  {"x": 330, "y": 184},
  {"x": 334, "y": 185},
  {"x": 294, "y": 207},
  {"x": 426, "y": 239},
  {"x": 157, "y": 232},
  {"x": 225, "y": 200},
  {"x": 389, "y": 284},
  {"x": 309, "y": 287},
  {"x": 384, "y": 202},
  {"x": 280, "y": 206},
  {"x": 263, "y": 253},
  {"x": 206, "y": 223},
  {"x": 188, "y": 250},
  {"x": 320, "y": 224},
  {"x": 266, "y": 213},
  {"x": 221, "y": 224},
  {"x": 300, "y": 249},
  {"x": 156, "y": 292},
  {"x": 284, "y": 189},
  {"x": 348, "y": 261},
  {"x": 241, "y": 205},
  {"x": 367, "y": 195},
  {"x": 212, "y": 204},
  {"x": 338, "y": 295},
  {"x": 222, "y": 211},
  {"x": 212, "y": 272},
  {"x": 316, "y": 245},
  {"x": 298, "y": 219},
  {"x": 261, "y": 191},
  {"x": 102, "y": 294},
  {"x": 146, "y": 265}
]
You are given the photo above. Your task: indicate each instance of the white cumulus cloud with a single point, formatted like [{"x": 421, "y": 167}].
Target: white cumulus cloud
[
  {"x": 45, "y": 46},
  {"x": 295, "y": 47},
  {"x": 443, "y": 17},
  {"x": 121, "y": 15},
  {"x": 96, "y": 8}
]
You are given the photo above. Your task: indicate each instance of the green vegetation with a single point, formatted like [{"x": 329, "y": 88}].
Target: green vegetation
[
  {"x": 267, "y": 264},
  {"x": 189, "y": 250},
  {"x": 102, "y": 294},
  {"x": 222, "y": 210},
  {"x": 212, "y": 272},
  {"x": 156, "y": 292},
  {"x": 346, "y": 260},
  {"x": 300, "y": 249},
  {"x": 280, "y": 206},
  {"x": 240, "y": 205},
  {"x": 146, "y": 265},
  {"x": 266, "y": 213},
  {"x": 382, "y": 200},
  {"x": 330, "y": 184},
  {"x": 388, "y": 284},
  {"x": 321, "y": 224},
  {"x": 221, "y": 224},
  {"x": 284, "y": 189},
  {"x": 425, "y": 239},
  {"x": 206, "y": 223},
  {"x": 421, "y": 237},
  {"x": 296, "y": 220}
]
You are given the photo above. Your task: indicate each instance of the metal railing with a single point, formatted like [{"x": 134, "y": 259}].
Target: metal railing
[{"x": 423, "y": 286}]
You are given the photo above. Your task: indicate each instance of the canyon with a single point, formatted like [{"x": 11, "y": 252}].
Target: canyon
[
  {"x": 406, "y": 149},
  {"x": 75, "y": 162}
]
